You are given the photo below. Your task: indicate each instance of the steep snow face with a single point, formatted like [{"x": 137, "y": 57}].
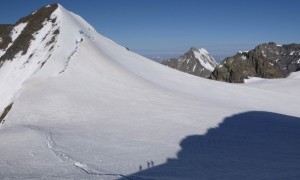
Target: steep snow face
[
  {"x": 205, "y": 59},
  {"x": 96, "y": 110}
]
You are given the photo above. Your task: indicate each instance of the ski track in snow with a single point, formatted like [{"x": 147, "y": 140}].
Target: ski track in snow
[
  {"x": 74, "y": 52},
  {"x": 77, "y": 164}
]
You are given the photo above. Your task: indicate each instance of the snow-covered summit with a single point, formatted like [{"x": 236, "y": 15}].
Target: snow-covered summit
[
  {"x": 196, "y": 61},
  {"x": 39, "y": 45}
]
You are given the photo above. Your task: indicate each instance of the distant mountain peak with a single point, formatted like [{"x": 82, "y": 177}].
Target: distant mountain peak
[
  {"x": 195, "y": 61},
  {"x": 193, "y": 49}
]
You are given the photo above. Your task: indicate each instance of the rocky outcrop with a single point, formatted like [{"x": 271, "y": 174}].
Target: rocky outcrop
[
  {"x": 32, "y": 23},
  {"x": 267, "y": 60},
  {"x": 5, "y": 38},
  {"x": 196, "y": 61},
  {"x": 5, "y": 112}
]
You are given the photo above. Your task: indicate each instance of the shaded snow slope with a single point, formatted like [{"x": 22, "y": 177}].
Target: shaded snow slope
[
  {"x": 251, "y": 145},
  {"x": 98, "y": 111}
]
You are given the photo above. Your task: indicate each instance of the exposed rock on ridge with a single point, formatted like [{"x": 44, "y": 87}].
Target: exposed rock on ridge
[
  {"x": 267, "y": 60},
  {"x": 34, "y": 22}
]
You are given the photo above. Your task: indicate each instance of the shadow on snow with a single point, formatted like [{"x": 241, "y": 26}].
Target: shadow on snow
[{"x": 251, "y": 145}]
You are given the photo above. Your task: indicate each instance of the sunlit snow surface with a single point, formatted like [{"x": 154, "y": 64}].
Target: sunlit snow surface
[
  {"x": 205, "y": 59},
  {"x": 98, "y": 111}
]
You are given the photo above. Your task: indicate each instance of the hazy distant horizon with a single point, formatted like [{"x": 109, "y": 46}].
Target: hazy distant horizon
[
  {"x": 161, "y": 57},
  {"x": 218, "y": 55}
]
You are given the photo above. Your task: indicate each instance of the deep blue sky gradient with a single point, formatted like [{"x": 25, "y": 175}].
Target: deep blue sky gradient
[{"x": 159, "y": 27}]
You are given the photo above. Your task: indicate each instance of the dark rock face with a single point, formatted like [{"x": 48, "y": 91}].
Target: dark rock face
[
  {"x": 34, "y": 23},
  {"x": 197, "y": 62},
  {"x": 5, "y": 112},
  {"x": 265, "y": 61},
  {"x": 5, "y": 29}
]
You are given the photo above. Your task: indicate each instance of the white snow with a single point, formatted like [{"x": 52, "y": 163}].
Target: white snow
[
  {"x": 263, "y": 53},
  {"x": 203, "y": 51},
  {"x": 101, "y": 118},
  {"x": 17, "y": 31},
  {"x": 194, "y": 68},
  {"x": 241, "y": 52},
  {"x": 279, "y": 85},
  {"x": 79, "y": 40},
  {"x": 292, "y": 53},
  {"x": 244, "y": 57},
  {"x": 205, "y": 59}
]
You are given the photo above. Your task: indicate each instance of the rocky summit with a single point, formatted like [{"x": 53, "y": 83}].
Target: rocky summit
[
  {"x": 267, "y": 60},
  {"x": 196, "y": 61}
]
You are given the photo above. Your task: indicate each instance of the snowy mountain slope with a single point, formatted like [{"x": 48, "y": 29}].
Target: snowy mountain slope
[
  {"x": 19, "y": 62},
  {"x": 98, "y": 111},
  {"x": 196, "y": 61}
]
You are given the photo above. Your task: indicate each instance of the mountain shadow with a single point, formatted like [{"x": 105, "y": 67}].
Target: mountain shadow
[{"x": 251, "y": 145}]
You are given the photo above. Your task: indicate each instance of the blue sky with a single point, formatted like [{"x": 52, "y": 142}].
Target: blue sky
[{"x": 159, "y": 27}]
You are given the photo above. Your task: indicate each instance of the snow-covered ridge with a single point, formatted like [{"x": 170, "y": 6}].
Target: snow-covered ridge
[{"x": 55, "y": 45}]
